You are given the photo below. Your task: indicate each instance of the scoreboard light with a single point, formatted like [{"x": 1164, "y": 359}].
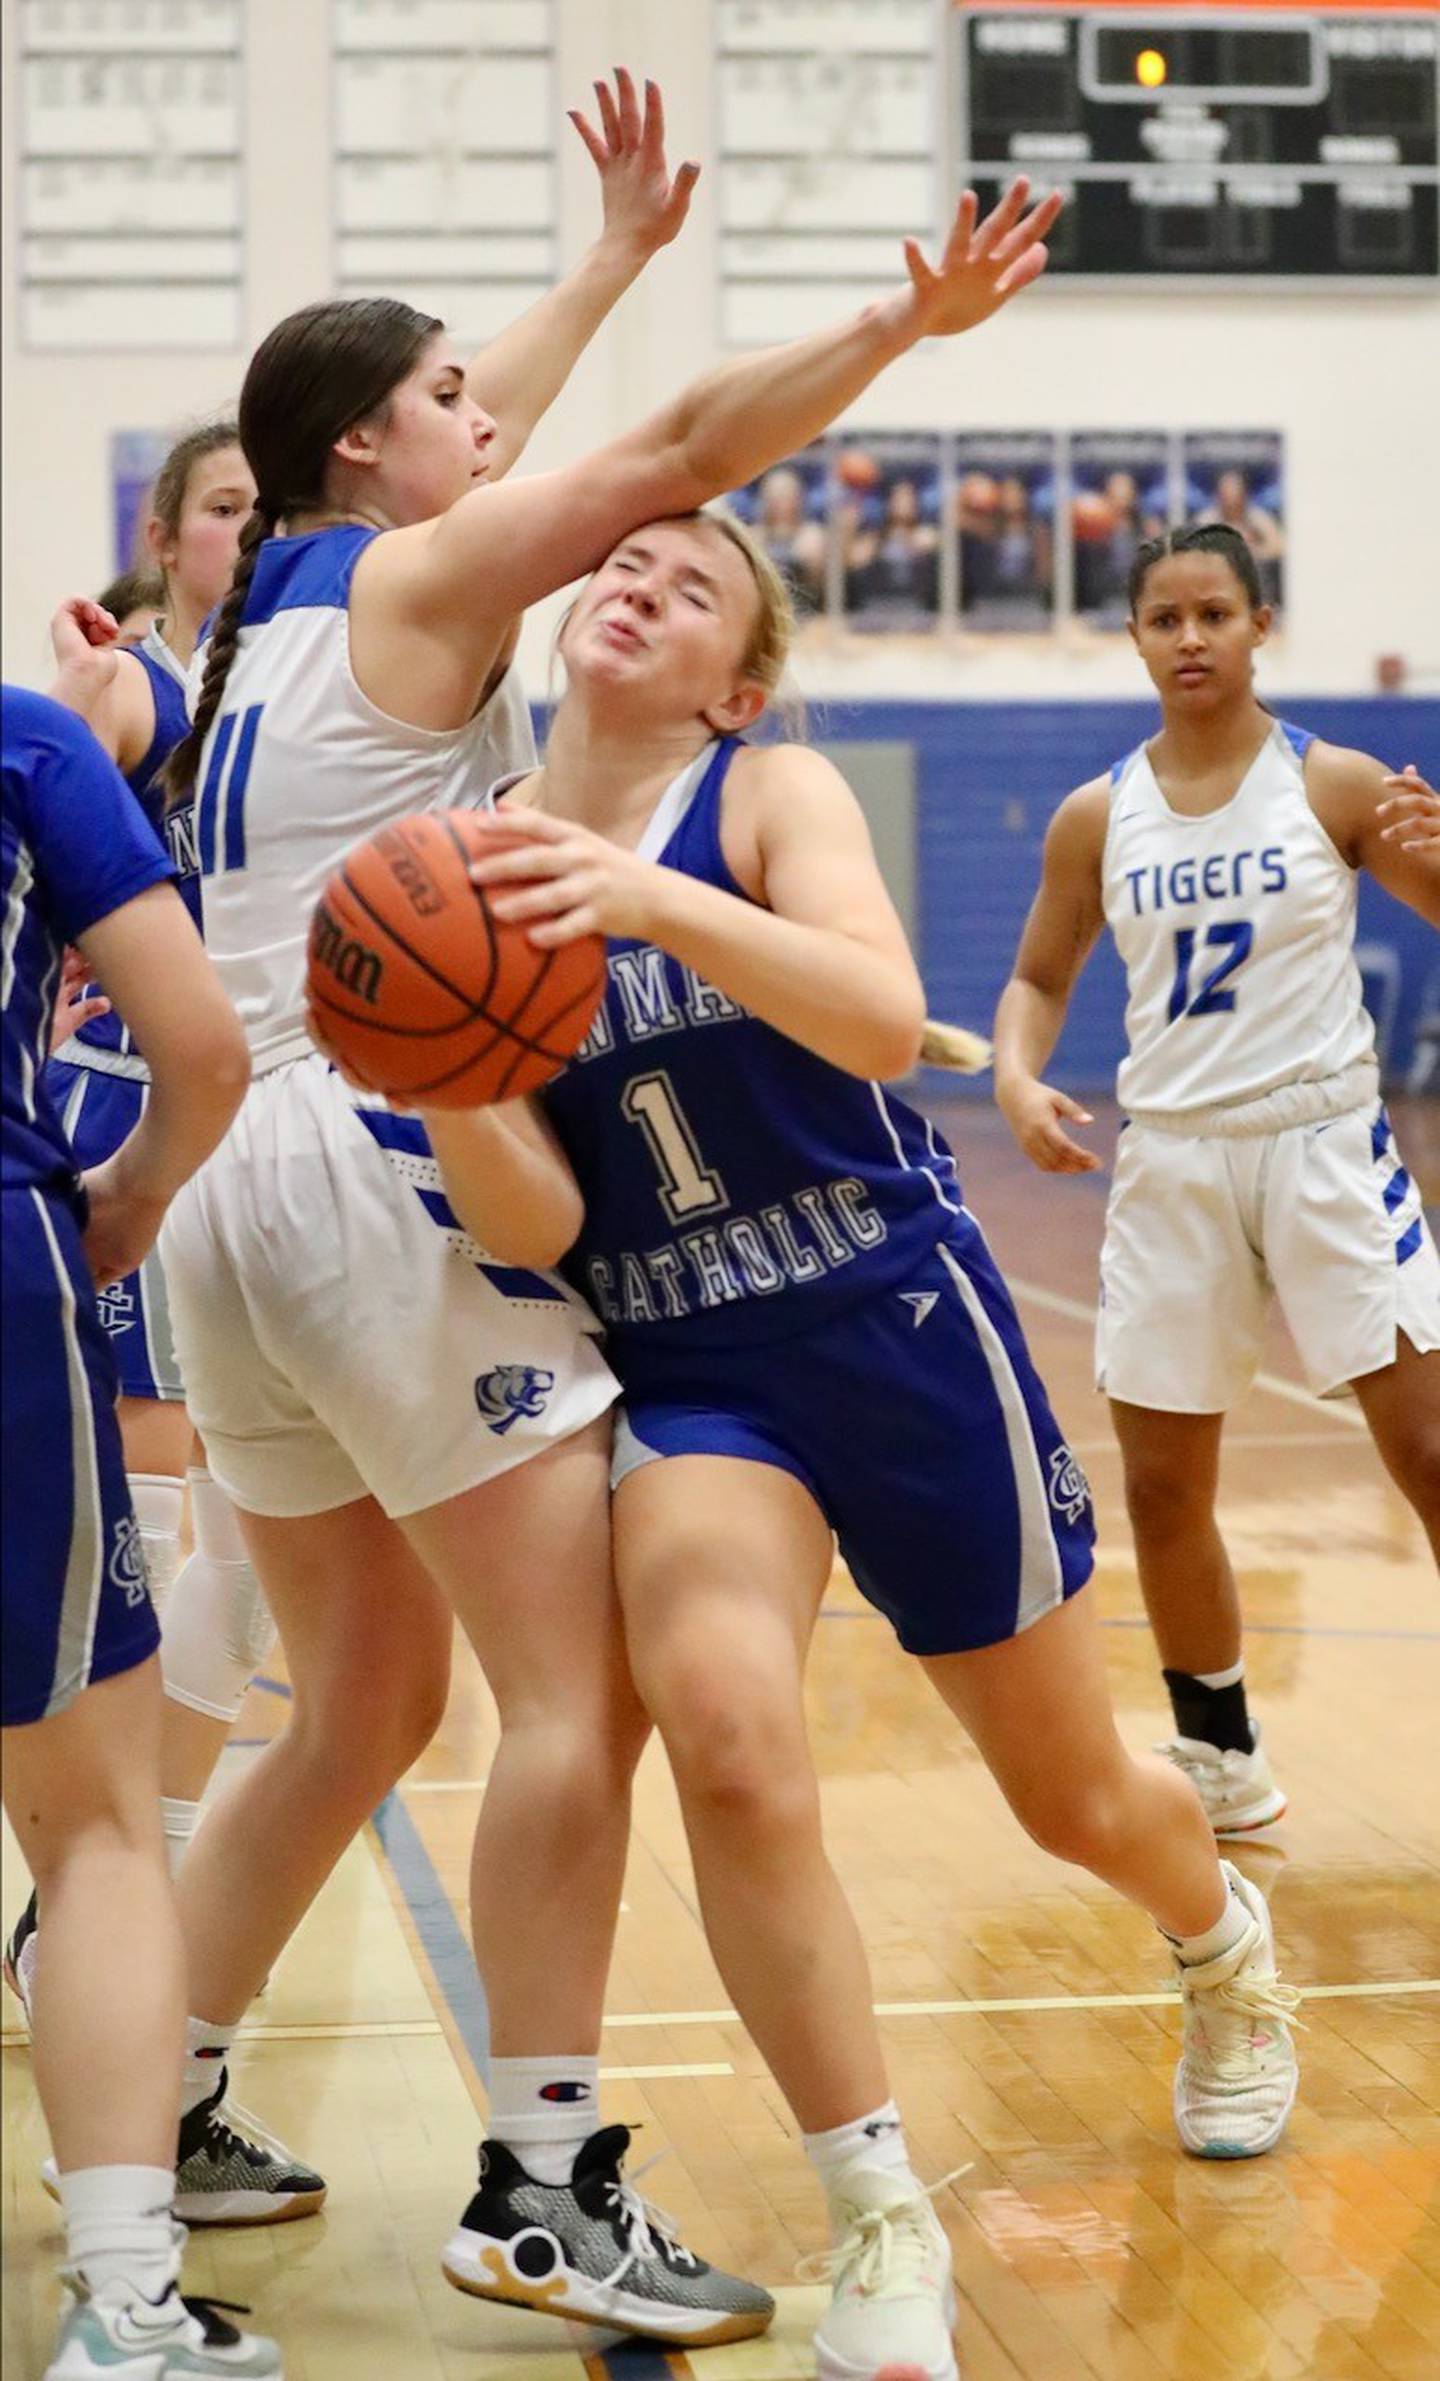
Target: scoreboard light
[{"x": 1151, "y": 69}]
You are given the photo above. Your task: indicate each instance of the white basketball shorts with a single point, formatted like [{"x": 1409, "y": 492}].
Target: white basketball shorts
[
  {"x": 338, "y": 1331},
  {"x": 1200, "y": 1231}
]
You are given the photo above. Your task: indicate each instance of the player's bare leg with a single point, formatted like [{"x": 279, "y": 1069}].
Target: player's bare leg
[
  {"x": 1038, "y": 1708},
  {"x": 1401, "y": 1403},
  {"x": 722, "y": 1564},
  {"x": 1172, "y": 1477}
]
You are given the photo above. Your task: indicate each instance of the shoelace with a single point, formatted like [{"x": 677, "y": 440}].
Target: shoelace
[
  {"x": 884, "y": 2248},
  {"x": 255, "y": 2144},
  {"x": 1210, "y": 1763},
  {"x": 649, "y": 2232},
  {"x": 1231, "y": 2011}
]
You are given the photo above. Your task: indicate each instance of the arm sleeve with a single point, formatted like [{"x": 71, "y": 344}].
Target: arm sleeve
[{"x": 94, "y": 847}]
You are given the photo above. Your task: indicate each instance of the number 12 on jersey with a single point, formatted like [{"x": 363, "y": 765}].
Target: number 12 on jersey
[
  {"x": 1233, "y": 936},
  {"x": 687, "y": 1185}
]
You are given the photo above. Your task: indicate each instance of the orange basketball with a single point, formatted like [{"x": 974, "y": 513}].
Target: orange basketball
[
  {"x": 857, "y": 469},
  {"x": 423, "y": 992},
  {"x": 1092, "y": 517}
]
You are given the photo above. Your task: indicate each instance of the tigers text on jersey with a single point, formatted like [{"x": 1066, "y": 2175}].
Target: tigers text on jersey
[
  {"x": 1237, "y": 932},
  {"x": 737, "y": 1188},
  {"x": 176, "y": 829},
  {"x": 299, "y": 765}
]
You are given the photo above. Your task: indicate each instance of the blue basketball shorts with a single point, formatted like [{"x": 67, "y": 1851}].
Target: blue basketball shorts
[
  {"x": 74, "y": 1601},
  {"x": 97, "y": 1113},
  {"x": 920, "y": 1426}
]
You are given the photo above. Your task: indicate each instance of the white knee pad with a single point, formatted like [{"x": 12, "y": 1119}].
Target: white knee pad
[
  {"x": 159, "y": 1502},
  {"x": 217, "y": 1628}
]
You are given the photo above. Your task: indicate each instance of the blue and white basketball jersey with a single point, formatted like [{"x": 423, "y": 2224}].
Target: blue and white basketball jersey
[
  {"x": 176, "y": 829},
  {"x": 1237, "y": 934},
  {"x": 737, "y": 1188},
  {"x": 76, "y": 846},
  {"x": 299, "y": 765}
]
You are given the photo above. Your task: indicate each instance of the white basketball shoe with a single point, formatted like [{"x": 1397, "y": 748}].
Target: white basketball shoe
[
  {"x": 1238, "y": 1789},
  {"x": 1236, "y": 2081},
  {"x": 892, "y": 2312}
]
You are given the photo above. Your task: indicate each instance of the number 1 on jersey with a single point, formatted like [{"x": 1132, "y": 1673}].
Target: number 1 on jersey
[
  {"x": 687, "y": 1185},
  {"x": 1234, "y": 935}
]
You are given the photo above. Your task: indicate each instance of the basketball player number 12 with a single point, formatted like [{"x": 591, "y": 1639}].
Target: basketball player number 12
[{"x": 1234, "y": 936}]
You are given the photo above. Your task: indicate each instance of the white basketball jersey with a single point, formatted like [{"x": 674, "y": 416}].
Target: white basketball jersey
[
  {"x": 299, "y": 765},
  {"x": 1237, "y": 934}
]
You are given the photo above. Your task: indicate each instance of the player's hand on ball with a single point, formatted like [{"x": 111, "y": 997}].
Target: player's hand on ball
[
  {"x": 644, "y": 208},
  {"x": 983, "y": 263},
  {"x": 1412, "y": 812},
  {"x": 343, "y": 1069},
  {"x": 1033, "y": 1112},
  {"x": 573, "y": 882}
]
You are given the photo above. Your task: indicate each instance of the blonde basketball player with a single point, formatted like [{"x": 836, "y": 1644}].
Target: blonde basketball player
[
  {"x": 343, "y": 1341},
  {"x": 1256, "y": 1151},
  {"x": 811, "y": 1336}
]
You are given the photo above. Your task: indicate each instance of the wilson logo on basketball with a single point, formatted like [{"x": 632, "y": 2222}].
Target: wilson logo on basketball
[{"x": 354, "y": 966}]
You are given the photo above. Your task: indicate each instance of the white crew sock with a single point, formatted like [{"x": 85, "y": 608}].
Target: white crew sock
[
  {"x": 159, "y": 1503},
  {"x": 207, "y": 2048},
  {"x": 179, "y": 1820},
  {"x": 872, "y": 2142},
  {"x": 1193, "y": 1951},
  {"x": 545, "y": 2111},
  {"x": 120, "y": 2226}
]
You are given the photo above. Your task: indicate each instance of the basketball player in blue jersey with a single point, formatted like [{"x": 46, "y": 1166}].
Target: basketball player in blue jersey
[
  {"x": 811, "y": 1338},
  {"x": 406, "y": 1423},
  {"x": 80, "y": 1699},
  {"x": 1256, "y": 1153}
]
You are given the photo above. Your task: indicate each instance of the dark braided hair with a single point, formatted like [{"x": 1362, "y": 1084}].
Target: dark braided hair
[
  {"x": 318, "y": 372},
  {"x": 1199, "y": 537}
]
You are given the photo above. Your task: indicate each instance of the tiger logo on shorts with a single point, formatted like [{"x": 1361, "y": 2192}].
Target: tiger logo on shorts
[{"x": 510, "y": 1392}]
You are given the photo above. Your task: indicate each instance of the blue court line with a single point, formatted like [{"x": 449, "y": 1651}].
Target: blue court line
[
  {"x": 272, "y": 1686},
  {"x": 641, "y": 2360},
  {"x": 1253, "y": 1628},
  {"x": 446, "y": 1945}
]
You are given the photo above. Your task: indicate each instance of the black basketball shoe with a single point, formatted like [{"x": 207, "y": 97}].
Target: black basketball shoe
[
  {"x": 19, "y": 1966},
  {"x": 593, "y": 2250},
  {"x": 229, "y": 2170}
]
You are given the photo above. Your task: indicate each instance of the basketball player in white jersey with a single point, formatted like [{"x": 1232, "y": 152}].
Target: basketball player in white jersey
[
  {"x": 407, "y": 1423},
  {"x": 1256, "y": 1152}
]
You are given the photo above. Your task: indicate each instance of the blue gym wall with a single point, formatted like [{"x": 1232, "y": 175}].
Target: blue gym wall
[{"x": 988, "y": 777}]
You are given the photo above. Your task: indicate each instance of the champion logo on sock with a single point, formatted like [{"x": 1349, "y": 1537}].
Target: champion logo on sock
[
  {"x": 566, "y": 2091},
  {"x": 209, "y": 2051},
  {"x": 879, "y": 2126}
]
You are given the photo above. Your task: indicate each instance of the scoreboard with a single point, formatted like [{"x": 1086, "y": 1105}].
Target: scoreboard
[{"x": 1212, "y": 144}]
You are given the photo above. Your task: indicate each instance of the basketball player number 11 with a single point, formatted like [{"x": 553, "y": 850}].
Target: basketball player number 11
[{"x": 1234, "y": 936}]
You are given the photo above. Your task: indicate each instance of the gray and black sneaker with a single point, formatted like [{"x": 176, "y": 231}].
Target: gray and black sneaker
[
  {"x": 19, "y": 1964},
  {"x": 593, "y": 2250},
  {"x": 229, "y": 2170}
]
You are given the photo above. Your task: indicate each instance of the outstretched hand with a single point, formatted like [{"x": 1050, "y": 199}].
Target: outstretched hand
[
  {"x": 983, "y": 264},
  {"x": 643, "y": 207}
]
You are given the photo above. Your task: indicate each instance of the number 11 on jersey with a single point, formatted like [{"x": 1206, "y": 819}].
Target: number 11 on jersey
[{"x": 687, "y": 1185}]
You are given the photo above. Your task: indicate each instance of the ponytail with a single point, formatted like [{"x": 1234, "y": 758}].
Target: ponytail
[{"x": 183, "y": 766}]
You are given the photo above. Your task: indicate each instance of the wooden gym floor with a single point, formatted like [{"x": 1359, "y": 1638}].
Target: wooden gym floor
[{"x": 1026, "y": 2011}]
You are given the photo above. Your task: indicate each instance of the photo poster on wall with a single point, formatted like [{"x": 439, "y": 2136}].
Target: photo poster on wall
[
  {"x": 887, "y": 514},
  {"x": 1122, "y": 491},
  {"x": 135, "y": 458},
  {"x": 1238, "y": 476},
  {"x": 1002, "y": 518},
  {"x": 788, "y": 508}
]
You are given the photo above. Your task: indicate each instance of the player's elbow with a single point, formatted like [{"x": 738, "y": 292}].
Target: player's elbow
[{"x": 895, "y": 1035}]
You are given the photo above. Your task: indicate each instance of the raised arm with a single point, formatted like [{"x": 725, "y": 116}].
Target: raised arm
[
  {"x": 1061, "y": 931},
  {"x": 1359, "y": 804},
  {"x": 518, "y": 376},
  {"x": 462, "y": 577},
  {"x": 105, "y": 687}
]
